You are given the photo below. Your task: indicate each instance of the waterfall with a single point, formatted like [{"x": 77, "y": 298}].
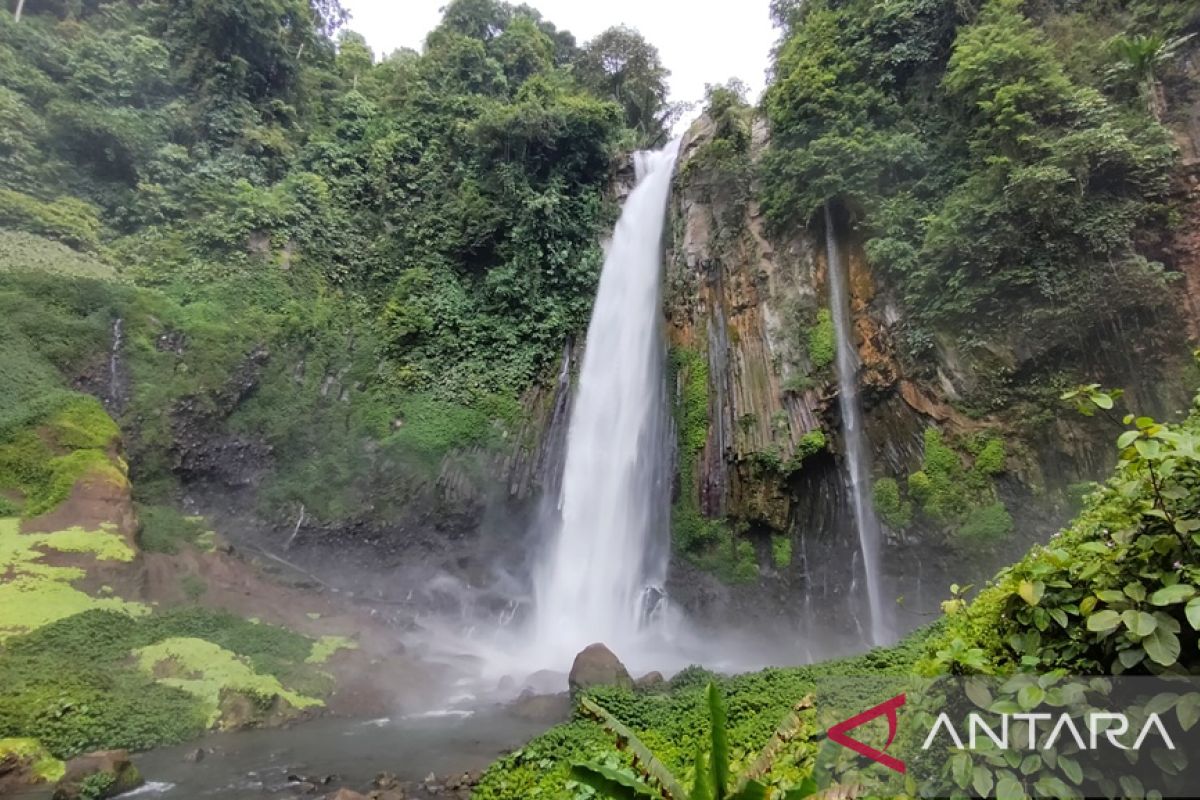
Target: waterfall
[
  {"x": 114, "y": 364},
  {"x": 603, "y": 561},
  {"x": 858, "y": 466}
]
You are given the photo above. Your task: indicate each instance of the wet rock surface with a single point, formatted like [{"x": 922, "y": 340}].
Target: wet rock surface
[{"x": 596, "y": 665}]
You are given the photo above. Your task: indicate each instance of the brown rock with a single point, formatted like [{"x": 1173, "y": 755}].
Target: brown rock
[
  {"x": 649, "y": 680},
  {"x": 548, "y": 708},
  {"x": 596, "y": 665},
  {"x": 347, "y": 794}
]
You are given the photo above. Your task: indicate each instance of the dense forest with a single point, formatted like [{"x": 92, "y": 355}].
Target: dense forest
[{"x": 256, "y": 280}]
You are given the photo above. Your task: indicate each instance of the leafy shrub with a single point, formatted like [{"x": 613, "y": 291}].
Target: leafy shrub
[
  {"x": 164, "y": 530},
  {"x": 1116, "y": 591},
  {"x": 781, "y": 551},
  {"x": 67, "y": 219},
  {"x": 988, "y": 523},
  {"x": 822, "y": 347},
  {"x": 894, "y": 512}
]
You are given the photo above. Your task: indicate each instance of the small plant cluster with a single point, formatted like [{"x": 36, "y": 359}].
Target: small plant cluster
[{"x": 959, "y": 499}]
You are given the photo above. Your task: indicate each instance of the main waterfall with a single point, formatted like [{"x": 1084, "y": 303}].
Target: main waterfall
[
  {"x": 858, "y": 464},
  {"x": 600, "y": 564}
]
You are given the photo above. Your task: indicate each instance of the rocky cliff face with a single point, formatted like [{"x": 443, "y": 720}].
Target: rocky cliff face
[{"x": 973, "y": 483}]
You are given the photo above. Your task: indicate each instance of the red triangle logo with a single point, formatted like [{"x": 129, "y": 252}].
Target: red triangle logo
[{"x": 838, "y": 733}]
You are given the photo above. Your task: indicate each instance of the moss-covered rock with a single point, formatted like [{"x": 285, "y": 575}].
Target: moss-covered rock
[
  {"x": 36, "y": 592},
  {"x": 230, "y": 690},
  {"x": 99, "y": 775},
  {"x": 26, "y": 762}
]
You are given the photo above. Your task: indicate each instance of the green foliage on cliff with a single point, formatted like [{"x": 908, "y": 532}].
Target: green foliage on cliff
[
  {"x": 49, "y": 445},
  {"x": 363, "y": 263},
  {"x": 953, "y": 490},
  {"x": 1117, "y": 591},
  {"x": 1004, "y": 175}
]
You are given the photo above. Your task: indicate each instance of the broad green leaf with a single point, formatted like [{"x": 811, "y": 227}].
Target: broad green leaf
[
  {"x": 1188, "y": 710},
  {"x": 650, "y": 766},
  {"x": 1059, "y": 616},
  {"x": 1070, "y": 767},
  {"x": 719, "y": 753},
  {"x": 611, "y": 783},
  {"x": 1135, "y": 591},
  {"x": 1031, "y": 697},
  {"x": 1032, "y": 591},
  {"x": 1054, "y": 787},
  {"x": 1162, "y": 646},
  {"x": 1172, "y": 594},
  {"x": 978, "y": 693},
  {"x": 1193, "y": 613},
  {"x": 981, "y": 781},
  {"x": 1103, "y": 400},
  {"x": 1103, "y": 621},
  {"x": 1127, "y": 438},
  {"x": 960, "y": 770},
  {"x": 1139, "y": 622},
  {"x": 1008, "y": 789},
  {"x": 1132, "y": 657},
  {"x": 1111, "y": 596}
]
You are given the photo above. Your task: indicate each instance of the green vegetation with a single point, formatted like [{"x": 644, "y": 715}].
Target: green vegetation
[
  {"x": 674, "y": 723},
  {"x": 44, "y": 766},
  {"x": 781, "y": 551},
  {"x": 957, "y": 498},
  {"x": 821, "y": 345},
  {"x": 207, "y": 671},
  {"x": 712, "y": 773},
  {"x": 1116, "y": 592},
  {"x": 392, "y": 252},
  {"x": 35, "y": 593},
  {"x": 165, "y": 530},
  {"x": 893, "y": 511},
  {"x": 1002, "y": 167},
  {"x": 75, "y": 684},
  {"x": 324, "y": 648}
]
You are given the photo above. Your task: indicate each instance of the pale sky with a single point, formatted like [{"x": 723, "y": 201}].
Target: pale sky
[{"x": 701, "y": 41}]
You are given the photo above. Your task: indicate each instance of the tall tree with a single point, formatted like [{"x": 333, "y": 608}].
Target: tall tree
[{"x": 620, "y": 64}]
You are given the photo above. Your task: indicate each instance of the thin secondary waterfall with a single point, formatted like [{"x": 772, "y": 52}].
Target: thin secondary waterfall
[
  {"x": 114, "y": 363},
  {"x": 858, "y": 465},
  {"x": 603, "y": 558}
]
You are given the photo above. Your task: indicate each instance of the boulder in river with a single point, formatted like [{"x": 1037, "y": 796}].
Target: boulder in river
[
  {"x": 105, "y": 773},
  {"x": 548, "y": 708},
  {"x": 596, "y": 665},
  {"x": 347, "y": 794}
]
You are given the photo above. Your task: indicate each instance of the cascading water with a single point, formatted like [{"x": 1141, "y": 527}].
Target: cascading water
[
  {"x": 858, "y": 465},
  {"x": 601, "y": 561}
]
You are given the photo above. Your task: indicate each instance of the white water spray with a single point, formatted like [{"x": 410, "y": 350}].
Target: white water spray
[
  {"x": 857, "y": 456},
  {"x": 590, "y": 583}
]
